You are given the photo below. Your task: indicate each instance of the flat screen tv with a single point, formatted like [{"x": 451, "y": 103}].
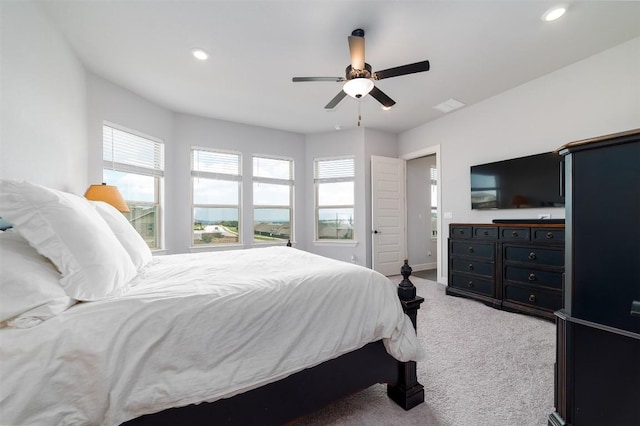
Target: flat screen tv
[{"x": 534, "y": 181}]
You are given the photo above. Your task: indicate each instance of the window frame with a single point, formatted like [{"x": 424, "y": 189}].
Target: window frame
[
  {"x": 319, "y": 180},
  {"x": 195, "y": 174},
  {"x": 156, "y": 172},
  {"x": 273, "y": 181}
]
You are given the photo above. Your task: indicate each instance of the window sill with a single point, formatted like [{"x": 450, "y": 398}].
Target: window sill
[
  {"x": 335, "y": 243},
  {"x": 270, "y": 243},
  {"x": 217, "y": 247}
]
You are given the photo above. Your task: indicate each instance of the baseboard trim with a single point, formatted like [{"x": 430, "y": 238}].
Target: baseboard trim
[{"x": 423, "y": 266}]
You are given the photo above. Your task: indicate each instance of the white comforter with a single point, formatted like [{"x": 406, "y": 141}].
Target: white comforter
[{"x": 193, "y": 328}]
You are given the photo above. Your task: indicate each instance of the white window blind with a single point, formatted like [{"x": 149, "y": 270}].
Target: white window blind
[
  {"x": 127, "y": 152},
  {"x": 215, "y": 165},
  {"x": 335, "y": 170}
]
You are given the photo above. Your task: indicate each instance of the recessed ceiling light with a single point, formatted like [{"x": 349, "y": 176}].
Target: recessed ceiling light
[
  {"x": 449, "y": 105},
  {"x": 554, "y": 13},
  {"x": 200, "y": 54}
]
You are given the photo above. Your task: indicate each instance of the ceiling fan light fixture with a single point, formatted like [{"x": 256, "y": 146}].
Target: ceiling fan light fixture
[{"x": 358, "y": 87}]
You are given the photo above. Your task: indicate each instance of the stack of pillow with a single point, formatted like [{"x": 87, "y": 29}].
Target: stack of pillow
[{"x": 62, "y": 249}]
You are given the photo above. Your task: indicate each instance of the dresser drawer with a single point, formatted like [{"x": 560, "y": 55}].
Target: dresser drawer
[
  {"x": 473, "y": 249},
  {"x": 515, "y": 234},
  {"x": 533, "y": 276},
  {"x": 485, "y": 232},
  {"x": 477, "y": 285},
  {"x": 460, "y": 231},
  {"x": 472, "y": 266},
  {"x": 549, "y": 235},
  {"x": 551, "y": 301},
  {"x": 534, "y": 255}
]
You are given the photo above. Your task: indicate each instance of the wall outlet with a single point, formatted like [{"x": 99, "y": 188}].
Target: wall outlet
[
  {"x": 429, "y": 253},
  {"x": 353, "y": 259},
  {"x": 448, "y": 215},
  {"x": 544, "y": 216}
]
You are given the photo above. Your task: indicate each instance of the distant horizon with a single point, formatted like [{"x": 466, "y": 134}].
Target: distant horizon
[{"x": 221, "y": 214}]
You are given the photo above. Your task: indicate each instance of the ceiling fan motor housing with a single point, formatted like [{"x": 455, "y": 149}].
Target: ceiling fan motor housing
[{"x": 351, "y": 73}]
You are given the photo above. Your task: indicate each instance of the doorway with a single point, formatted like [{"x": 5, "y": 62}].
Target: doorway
[{"x": 423, "y": 213}]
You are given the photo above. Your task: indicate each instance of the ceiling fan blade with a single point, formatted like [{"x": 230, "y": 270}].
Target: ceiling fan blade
[
  {"x": 336, "y": 100},
  {"x": 336, "y": 79},
  {"x": 402, "y": 70},
  {"x": 381, "y": 97},
  {"x": 356, "y": 49}
]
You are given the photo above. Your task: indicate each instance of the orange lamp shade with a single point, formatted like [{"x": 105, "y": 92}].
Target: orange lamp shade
[
  {"x": 518, "y": 200},
  {"x": 108, "y": 194}
]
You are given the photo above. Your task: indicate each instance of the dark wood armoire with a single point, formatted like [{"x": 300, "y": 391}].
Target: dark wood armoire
[{"x": 597, "y": 374}]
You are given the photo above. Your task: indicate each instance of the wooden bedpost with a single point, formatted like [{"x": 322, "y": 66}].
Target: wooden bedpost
[{"x": 407, "y": 393}]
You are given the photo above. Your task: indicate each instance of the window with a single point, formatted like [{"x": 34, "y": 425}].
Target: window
[
  {"x": 434, "y": 202},
  {"x": 215, "y": 187},
  {"x": 272, "y": 199},
  {"x": 334, "y": 184},
  {"x": 135, "y": 164}
]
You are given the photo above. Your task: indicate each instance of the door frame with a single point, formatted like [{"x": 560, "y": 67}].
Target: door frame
[{"x": 432, "y": 150}]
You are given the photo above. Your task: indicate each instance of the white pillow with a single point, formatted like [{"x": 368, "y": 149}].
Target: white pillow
[
  {"x": 30, "y": 290},
  {"x": 132, "y": 242},
  {"x": 70, "y": 232}
]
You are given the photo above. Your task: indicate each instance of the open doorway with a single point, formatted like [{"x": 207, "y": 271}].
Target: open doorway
[{"x": 423, "y": 220}]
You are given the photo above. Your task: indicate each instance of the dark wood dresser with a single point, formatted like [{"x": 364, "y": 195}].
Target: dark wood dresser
[
  {"x": 516, "y": 267},
  {"x": 597, "y": 374}
]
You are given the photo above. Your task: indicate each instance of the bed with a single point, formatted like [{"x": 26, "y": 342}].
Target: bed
[{"x": 97, "y": 331}]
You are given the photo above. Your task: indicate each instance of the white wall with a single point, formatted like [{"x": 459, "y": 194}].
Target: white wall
[
  {"x": 42, "y": 102},
  {"x": 248, "y": 140},
  {"x": 597, "y": 96}
]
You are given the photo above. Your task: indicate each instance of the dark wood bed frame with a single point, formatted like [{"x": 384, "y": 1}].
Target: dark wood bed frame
[{"x": 311, "y": 389}]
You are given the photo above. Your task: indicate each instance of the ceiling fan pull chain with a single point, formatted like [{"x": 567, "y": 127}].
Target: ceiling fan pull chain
[{"x": 359, "y": 115}]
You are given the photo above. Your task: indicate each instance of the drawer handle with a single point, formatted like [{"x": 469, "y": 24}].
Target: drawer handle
[
  {"x": 532, "y": 298},
  {"x": 470, "y": 284},
  {"x": 532, "y": 277},
  {"x": 470, "y": 249},
  {"x": 461, "y": 232},
  {"x": 532, "y": 256},
  {"x": 514, "y": 233},
  {"x": 549, "y": 235},
  {"x": 471, "y": 266},
  {"x": 485, "y": 233}
]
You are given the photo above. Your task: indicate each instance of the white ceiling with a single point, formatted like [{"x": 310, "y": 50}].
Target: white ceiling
[{"x": 477, "y": 49}]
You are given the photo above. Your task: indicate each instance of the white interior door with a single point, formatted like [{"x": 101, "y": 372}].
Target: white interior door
[{"x": 387, "y": 214}]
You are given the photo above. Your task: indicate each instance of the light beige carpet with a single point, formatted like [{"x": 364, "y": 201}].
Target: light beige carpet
[{"x": 484, "y": 367}]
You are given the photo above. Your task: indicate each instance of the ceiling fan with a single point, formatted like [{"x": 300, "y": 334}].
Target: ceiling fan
[{"x": 359, "y": 79}]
